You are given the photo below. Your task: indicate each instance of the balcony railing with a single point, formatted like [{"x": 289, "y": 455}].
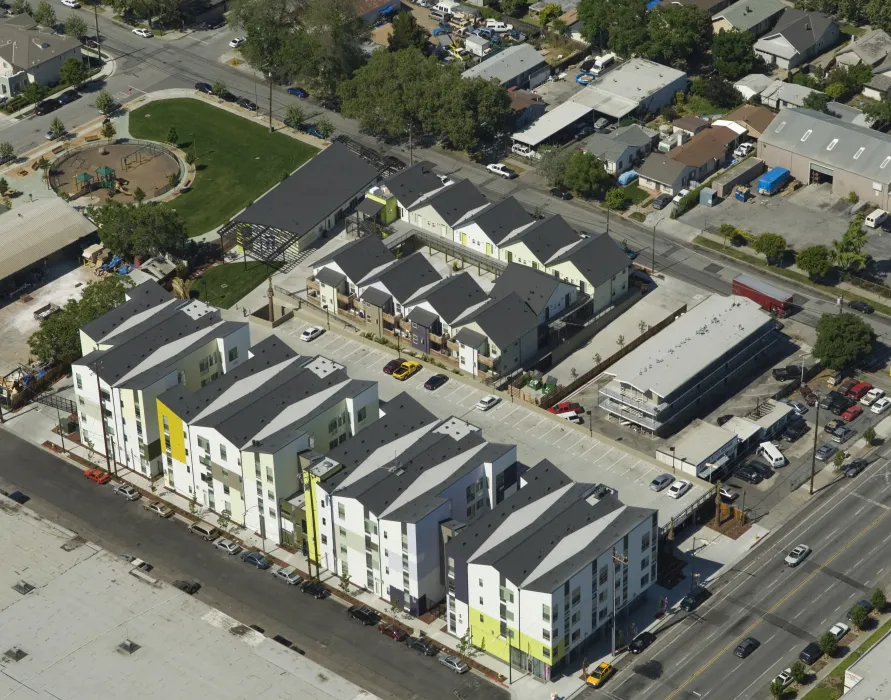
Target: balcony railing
[{"x": 630, "y": 414}]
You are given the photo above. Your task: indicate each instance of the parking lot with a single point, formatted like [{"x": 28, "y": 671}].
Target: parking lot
[{"x": 537, "y": 434}]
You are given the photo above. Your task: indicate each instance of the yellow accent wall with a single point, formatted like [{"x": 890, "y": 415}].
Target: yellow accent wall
[
  {"x": 175, "y": 424},
  {"x": 484, "y": 634},
  {"x": 312, "y": 515}
]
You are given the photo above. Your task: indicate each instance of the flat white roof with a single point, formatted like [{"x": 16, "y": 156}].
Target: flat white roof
[
  {"x": 549, "y": 124},
  {"x": 87, "y": 601},
  {"x": 677, "y": 353},
  {"x": 620, "y": 91},
  {"x": 870, "y": 676},
  {"x": 699, "y": 441}
]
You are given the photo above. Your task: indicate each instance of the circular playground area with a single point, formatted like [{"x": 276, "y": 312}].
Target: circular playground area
[{"x": 93, "y": 172}]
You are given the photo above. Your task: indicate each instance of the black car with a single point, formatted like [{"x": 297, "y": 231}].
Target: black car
[
  {"x": 247, "y": 104},
  {"x": 855, "y": 467},
  {"x": 331, "y": 105},
  {"x": 560, "y": 193},
  {"x": 723, "y": 419},
  {"x": 746, "y": 647},
  {"x": 865, "y": 604},
  {"x": 436, "y": 381},
  {"x": 811, "y": 653},
  {"x": 190, "y": 587},
  {"x": 860, "y": 306},
  {"x": 662, "y": 201},
  {"x": 746, "y": 473},
  {"x": 782, "y": 374},
  {"x": 206, "y": 88},
  {"x": 697, "y": 595},
  {"x": 16, "y": 496},
  {"x": 68, "y": 97},
  {"x": 794, "y": 430},
  {"x": 363, "y": 614},
  {"x": 760, "y": 468},
  {"x": 46, "y": 107},
  {"x": 641, "y": 642},
  {"x": 424, "y": 646},
  {"x": 315, "y": 589}
]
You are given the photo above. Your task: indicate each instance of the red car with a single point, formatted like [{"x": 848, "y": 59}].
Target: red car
[
  {"x": 393, "y": 632},
  {"x": 565, "y": 407},
  {"x": 860, "y": 390},
  {"x": 97, "y": 475},
  {"x": 846, "y": 386},
  {"x": 852, "y": 412},
  {"x": 392, "y": 366}
]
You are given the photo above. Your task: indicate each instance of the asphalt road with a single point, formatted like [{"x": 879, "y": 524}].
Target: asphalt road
[
  {"x": 783, "y": 608},
  {"x": 320, "y": 628}
]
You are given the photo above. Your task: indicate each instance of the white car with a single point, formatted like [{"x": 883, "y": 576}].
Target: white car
[
  {"x": 680, "y": 195},
  {"x": 287, "y": 574},
  {"x": 501, "y": 170},
  {"x": 728, "y": 494},
  {"x": 159, "y": 509},
  {"x": 237, "y": 41},
  {"x": 144, "y": 33},
  {"x": 497, "y": 26},
  {"x": 487, "y": 402},
  {"x": 228, "y": 546},
  {"x": 797, "y": 555},
  {"x": 839, "y": 630},
  {"x": 127, "y": 491},
  {"x": 71, "y": 3},
  {"x": 311, "y": 334},
  {"x": 743, "y": 150},
  {"x": 679, "y": 488},
  {"x": 784, "y": 678},
  {"x": 872, "y": 396},
  {"x": 881, "y": 405}
]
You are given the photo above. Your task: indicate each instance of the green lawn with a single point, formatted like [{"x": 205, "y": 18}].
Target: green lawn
[
  {"x": 225, "y": 284},
  {"x": 238, "y": 160},
  {"x": 635, "y": 194},
  {"x": 851, "y": 30}
]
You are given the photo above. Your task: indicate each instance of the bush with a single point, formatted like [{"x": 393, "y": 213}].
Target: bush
[
  {"x": 878, "y": 600},
  {"x": 859, "y": 617},
  {"x": 828, "y": 643}
]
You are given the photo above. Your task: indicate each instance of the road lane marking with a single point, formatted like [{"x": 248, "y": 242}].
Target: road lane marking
[
  {"x": 766, "y": 671},
  {"x": 869, "y": 500}
]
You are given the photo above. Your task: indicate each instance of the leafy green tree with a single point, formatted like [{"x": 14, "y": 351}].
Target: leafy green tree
[
  {"x": 878, "y": 599},
  {"x": 680, "y": 35},
  {"x": 104, "y": 102},
  {"x": 798, "y": 671},
  {"x": 58, "y": 337},
  {"x": 514, "y": 8},
  {"x": 733, "y": 53},
  {"x": 549, "y": 13},
  {"x": 558, "y": 26},
  {"x": 172, "y": 136},
  {"x": 869, "y": 435},
  {"x": 859, "y": 616},
  {"x": 76, "y": 26},
  {"x": 776, "y": 689},
  {"x": 552, "y": 164},
  {"x": 720, "y": 92},
  {"x": 294, "y": 116},
  {"x": 771, "y": 245},
  {"x": 879, "y": 14},
  {"x": 325, "y": 127},
  {"x": 620, "y": 25},
  {"x": 21, "y": 7},
  {"x": 816, "y": 260},
  {"x": 828, "y": 643},
  {"x": 6, "y": 150},
  {"x": 57, "y": 128},
  {"x": 847, "y": 252},
  {"x": 842, "y": 340},
  {"x": 139, "y": 196},
  {"x": 879, "y": 111},
  {"x": 476, "y": 113},
  {"x": 219, "y": 88},
  {"x": 835, "y": 91},
  {"x": 616, "y": 198},
  {"x": 838, "y": 460},
  {"x": 108, "y": 131},
  {"x": 584, "y": 174},
  {"x": 816, "y": 101},
  {"x": 129, "y": 230},
  {"x": 72, "y": 72},
  {"x": 4, "y": 187},
  {"x": 33, "y": 92},
  {"x": 268, "y": 26},
  {"x": 45, "y": 15},
  {"x": 407, "y": 33}
]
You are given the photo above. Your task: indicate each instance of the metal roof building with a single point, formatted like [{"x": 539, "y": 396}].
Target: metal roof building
[{"x": 516, "y": 66}]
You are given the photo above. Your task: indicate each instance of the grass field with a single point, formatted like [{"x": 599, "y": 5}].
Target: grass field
[
  {"x": 225, "y": 284},
  {"x": 238, "y": 160}
]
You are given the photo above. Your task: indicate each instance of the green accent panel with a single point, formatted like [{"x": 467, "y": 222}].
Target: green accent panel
[{"x": 485, "y": 635}]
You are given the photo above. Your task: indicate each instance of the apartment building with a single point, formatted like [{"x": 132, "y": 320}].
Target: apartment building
[
  {"x": 137, "y": 351},
  {"x": 235, "y": 445},
  {"x": 544, "y": 572},
  {"x": 379, "y": 500}
]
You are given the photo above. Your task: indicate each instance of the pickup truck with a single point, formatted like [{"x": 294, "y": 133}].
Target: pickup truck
[{"x": 783, "y": 374}]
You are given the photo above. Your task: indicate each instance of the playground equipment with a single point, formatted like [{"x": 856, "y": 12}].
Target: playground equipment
[{"x": 141, "y": 155}]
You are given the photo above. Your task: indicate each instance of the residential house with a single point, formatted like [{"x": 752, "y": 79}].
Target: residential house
[
  {"x": 620, "y": 149},
  {"x": 518, "y": 65},
  {"x": 525, "y": 104},
  {"x": 29, "y": 54},
  {"x": 385, "y": 292},
  {"x": 486, "y": 228},
  {"x": 707, "y": 151},
  {"x": 542, "y": 574},
  {"x": 434, "y": 311},
  {"x": 439, "y": 211},
  {"x": 754, "y": 118},
  {"x": 137, "y": 351},
  {"x": 797, "y": 38},
  {"x": 873, "y": 49},
  {"x": 547, "y": 296},
  {"x": 400, "y": 192},
  {"x": 342, "y": 272},
  {"x": 689, "y": 125},
  {"x": 380, "y": 501},
  {"x": 779, "y": 95},
  {"x": 753, "y": 16},
  {"x": 234, "y": 446},
  {"x": 849, "y": 114},
  {"x": 753, "y": 84},
  {"x": 664, "y": 174},
  {"x": 574, "y": 28}
]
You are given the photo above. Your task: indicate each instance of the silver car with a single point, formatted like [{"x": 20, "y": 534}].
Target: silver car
[
  {"x": 825, "y": 451},
  {"x": 228, "y": 546},
  {"x": 287, "y": 574},
  {"x": 453, "y": 663},
  {"x": 661, "y": 481},
  {"x": 127, "y": 491}
]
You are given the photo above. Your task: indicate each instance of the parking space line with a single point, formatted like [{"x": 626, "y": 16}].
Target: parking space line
[
  {"x": 516, "y": 408},
  {"x": 576, "y": 442},
  {"x": 553, "y": 427}
]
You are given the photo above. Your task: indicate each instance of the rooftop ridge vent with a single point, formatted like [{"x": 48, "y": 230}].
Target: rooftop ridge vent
[
  {"x": 128, "y": 647},
  {"x": 23, "y": 587},
  {"x": 15, "y": 654}
]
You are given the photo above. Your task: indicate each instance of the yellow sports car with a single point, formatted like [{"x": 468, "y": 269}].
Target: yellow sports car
[{"x": 407, "y": 369}]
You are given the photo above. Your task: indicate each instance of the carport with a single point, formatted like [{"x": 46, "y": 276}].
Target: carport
[{"x": 549, "y": 125}]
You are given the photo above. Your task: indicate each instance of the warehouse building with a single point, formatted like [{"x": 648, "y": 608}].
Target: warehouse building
[{"x": 516, "y": 66}]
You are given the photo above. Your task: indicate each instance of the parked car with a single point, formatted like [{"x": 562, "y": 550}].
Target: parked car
[
  {"x": 811, "y": 653},
  {"x": 297, "y": 91},
  {"x": 746, "y": 473},
  {"x": 760, "y": 468},
  {"x": 600, "y": 675},
  {"x": 797, "y": 555},
  {"x": 859, "y": 390},
  {"x": 865, "y": 604},
  {"x": 855, "y": 467},
  {"x": 97, "y": 475},
  {"x": 436, "y": 381},
  {"x": 799, "y": 408},
  {"x": 256, "y": 559},
  {"x": 363, "y": 614},
  {"x": 679, "y": 488},
  {"x": 881, "y": 405},
  {"x": 695, "y": 598},
  {"x": 728, "y": 494},
  {"x": 190, "y": 587},
  {"x": 287, "y": 574},
  {"x": 311, "y": 334},
  {"x": 206, "y": 88},
  {"x": 794, "y": 430},
  {"x": 408, "y": 369},
  {"x": 842, "y": 435},
  {"x": 228, "y": 546},
  {"x": 392, "y": 366},
  {"x": 825, "y": 451},
  {"x": 680, "y": 195},
  {"x": 422, "y": 645},
  {"x": 53, "y": 135},
  {"x": 746, "y": 647},
  {"x": 860, "y": 306},
  {"x": 487, "y": 402},
  {"x": 236, "y": 42},
  {"x": 560, "y": 193},
  {"x": 71, "y": 3},
  {"x": 839, "y": 630},
  {"x": 743, "y": 150},
  {"x": 136, "y": 562},
  {"x": 502, "y": 170},
  {"x": 662, "y": 201},
  {"x": 661, "y": 481},
  {"x": 127, "y": 491},
  {"x": 784, "y": 678},
  {"x": 845, "y": 387},
  {"x": 247, "y": 104},
  {"x": 453, "y": 663},
  {"x": 393, "y": 631},
  {"x": 315, "y": 589},
  {"x": 872, "y": 396},
  {"x": 641, "y": 642},
  {"x": 160, "y": 509},
  {"x": 852, "y": 413},
  {"x": 68, "y": 97},
  {"x": 47, "y": 106},
  {"x": 144, "y": 33}
]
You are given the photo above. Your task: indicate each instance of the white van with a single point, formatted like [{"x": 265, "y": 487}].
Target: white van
[
  {"x": 521, "y": 149},
  {"x": 602, "y": 62},
  {"x": 771, "y": 454},
  {"x": 876, "y": 218}
]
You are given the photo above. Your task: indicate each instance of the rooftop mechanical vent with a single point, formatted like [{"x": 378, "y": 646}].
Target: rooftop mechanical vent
[
  {"x": 23, "y": 587},
  {"x": 15, "y": 654},
  {"x": 128, "y": 647}
]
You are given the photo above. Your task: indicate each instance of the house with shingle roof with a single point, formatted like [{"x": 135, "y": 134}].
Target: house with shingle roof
[
  {"x": 797, "y": 38},
  {"x": 485, "y": 229},
  {"x": 753, "y": 16}
]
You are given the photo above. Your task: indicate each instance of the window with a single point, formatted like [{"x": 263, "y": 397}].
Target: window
[
  {"x": 576, "y": 635},
  {"x": 226, "y": 489},
  {"x": 223, "y": 452},
  {"x": 576, "y": 616},
  {"x": 604, "y": 575},
  {"x": 546, "y": 613},
  {"x": 545, "y": 652},
  {"x": 79, "y": 381},
  {"x": 270, "y": 495},
  {"x": 602, "y": 597},
  {"x": 332, "y": 444},
  {"x": 272, "y": 512},
  {"x": 233, "y": 354},
  {"x": 341, "y": 511},
  {"x": 576, "y": 596},
  {"x": 360, "y": 416},
  {"x": 481, "y": 617},
  {"x": 645, "y": 579},
  {"x": 269, "y": 474},
  {"x": 204, "y": 444},
  {"x": 324, "y": 539},
  {"x": 204, "y": 365},
  {"x": 546, "y": 635},
  {"x": 644, "y": 563},
  {"x": 332, "y": 426},
  {"x": 480, "y": 583},
  {"x": 645, "y": 541},
  {"x": 481, "y": 600}
]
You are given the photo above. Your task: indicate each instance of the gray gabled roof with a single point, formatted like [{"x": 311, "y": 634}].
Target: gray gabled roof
[
  {"x": 376, "y": 297},
  {"x": 312, "y": 192},
  {"x": 141, "y": 310},
  {"x": 498, "y": 219},
  {"x": 330, "y": 277},
  {"x": 452, "y": 297},
  {"x": 597, "y": 257},
  {"x": 533, "y": 286},
  {"x": 872, "y": 48},
  {"x": 853, "y": 148},
  {"x": 508, "y": 64},
  {"x": 411, "y": 184},
  {"x": 504, "y": 320},
  {"x": 454, "y": 202},
  {"x": 659, "y": 167},
  {"x": 406, "y": 276},
  {"x": 748, "y": 14},
  {"x": 799, "y": 28},
  {"x": 612, "y": 146},
  {"x": 27, "y": 47},
  {"x": 358, "y": 258},
  {"x": 545, "y": 238},
  {"x": 422, "y": 317}
]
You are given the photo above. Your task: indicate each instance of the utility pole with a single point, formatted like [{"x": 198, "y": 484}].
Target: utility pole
[
  {"x": 61, "y": 433},
  {"x": 693, "y": 565},
  {"x": 95, "y": 368},
  {"x": 619, "y": 559},
  {"x": 98, "y": 36},
  {"x": 270, "y": 103},
  {"x": 814, "y": 453},
  {"x": 654, "y": 249}
]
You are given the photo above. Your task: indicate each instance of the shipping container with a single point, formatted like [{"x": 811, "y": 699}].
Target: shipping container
[
  {"x": 773, "y": 181},
  {"x": 770, "y": 298}
]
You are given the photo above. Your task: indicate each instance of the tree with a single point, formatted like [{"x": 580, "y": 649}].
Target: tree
[
  {"x": 869, "y": 435},
  {"x": 407, "y": 33},
  {"x": 45, "y": 15},
  {"x": 464, "y": 643},
  {"x": 839, "y": 460},
  {"x": 344, "y": 584},
  {"x": 476, "y": 112},
  {"x": 616, "y": 198},
  {"x": 219, "y": 88},
  {"x": 879, "y": 111},
  {"x": 776, "y": 688},
  {"x": 720, "y": 92},
  {"x": 842, "y": 339},
  {"x": 816, "y": 260},
  {"x": 798, "y": 671},
  {"x": 130, "y": 230},
  {"x": 33, "y": 92},
  {"x": 585, "y": 174},
  {"x": 172, "y": 136},
  {"x": 816, "y": 101},
  {"x": 771, "y": 245},
  {"x": 878, "y": 600},
  {"x": 108, "y": 130},
  {"x": 325, "y": 127},
  {"x": 828, "y": 643},
  {"x": 182, "y": 288},
  {"x": 72, "y": 71},
  {"x": 848, "y": 251},
  {"x": 733, "y": 53},
  {"x": 224, "y": 519},
  {"x": 21, "y": 7},
  {"x": 879, "y": 14},
  {"x": 138, "y": 195},
  {"x": 4, "y": 187},
  {"x": 6, "y": 150},
  {"x": 548, "y": 13},
  {"x": 58, "y": 337},
  {"x": 680, "y": 35},
  {"x": 859, "y": 616},
  {"x": 57, "y": 128},
  {"x": 76, "y": 27},
  {"x": 44, "y": 165},
  {"x": 552, "y": 164},
  {"x": 620, "y": 25},
  {"x": 104, "y": 101},
  {"x": 559, "y": 27},
  {"x": 294, "y": 116}
]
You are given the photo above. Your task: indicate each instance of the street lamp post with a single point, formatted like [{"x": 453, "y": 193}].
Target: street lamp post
[
  {"x": 623, "y": 560},
  {"x": 262, "y": 523},
  {"x": 814, "y": 453},
  {"x": 270, "y": 103},
  {"x": 673, "y": 470}
]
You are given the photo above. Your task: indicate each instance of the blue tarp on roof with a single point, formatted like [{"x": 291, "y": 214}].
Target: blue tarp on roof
[{"x": 652, "y": 4}]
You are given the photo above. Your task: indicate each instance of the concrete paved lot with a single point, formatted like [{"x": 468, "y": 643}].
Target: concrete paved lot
[{"x": 538, "y": 435}]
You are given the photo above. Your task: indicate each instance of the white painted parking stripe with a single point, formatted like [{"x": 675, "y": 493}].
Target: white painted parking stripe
[{"x": 576, "y": 442}]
